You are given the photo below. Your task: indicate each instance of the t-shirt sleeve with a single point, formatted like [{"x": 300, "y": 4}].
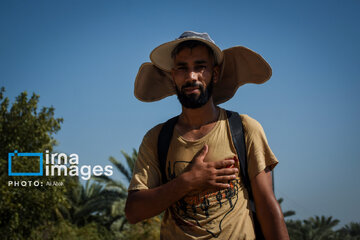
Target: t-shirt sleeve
[
  {"x": 146, "y": 173},
  {"x": 259, "y": 154}
]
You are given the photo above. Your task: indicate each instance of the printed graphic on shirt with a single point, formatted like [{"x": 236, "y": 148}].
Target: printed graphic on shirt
[{"x": 202, "y": 209}]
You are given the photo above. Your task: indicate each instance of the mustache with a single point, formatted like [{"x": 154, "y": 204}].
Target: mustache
[{"x": 192, "y": 84}]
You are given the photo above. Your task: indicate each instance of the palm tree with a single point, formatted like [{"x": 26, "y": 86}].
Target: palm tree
[
  {"x": 86, "y": 203},
  {"x": 115, "y": 191},
  {"x": 321, "y": 227},
  {"x": 350, "y": 231},
  {"x": 318, "y": 228},
  {"x": 147, "y": 229},
  {"x": 125, "y": 171}
]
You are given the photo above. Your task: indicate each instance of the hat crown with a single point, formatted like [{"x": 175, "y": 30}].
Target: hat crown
[{"x": 192, "y": 34}]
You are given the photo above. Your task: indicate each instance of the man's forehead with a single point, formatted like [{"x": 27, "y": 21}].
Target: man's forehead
[{"x": 198, "y": 54}]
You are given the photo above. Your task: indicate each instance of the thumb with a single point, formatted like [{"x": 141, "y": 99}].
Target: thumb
[{"x": 200, "y": 156}]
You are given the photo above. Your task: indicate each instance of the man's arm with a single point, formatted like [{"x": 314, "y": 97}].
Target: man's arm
[
  {"x": 199, "y": 175},
  {"x": 144, "y": 204},
  {"x": 268, "y": 210}
]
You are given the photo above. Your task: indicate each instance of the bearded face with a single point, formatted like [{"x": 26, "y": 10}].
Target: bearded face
[
  {"x": 194, "y": 76},
  {"x": 193, "y": 100}
]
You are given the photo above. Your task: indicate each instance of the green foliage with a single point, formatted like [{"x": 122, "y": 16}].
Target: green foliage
[
  {"x": 115, "y": 192},
  {"x": 73, "y": 211},
  {"x": 77, "y": 198},
  {"x": 146, "y": 230},
  {"x": 24, "y": 128},
  {"x": 92, "y": 203},
  {"x": 116, "y": 220},
  {"x": 349, "y": 231},
  {"x": 66, "y": 230},
  {"x": 321, "y": 228}
]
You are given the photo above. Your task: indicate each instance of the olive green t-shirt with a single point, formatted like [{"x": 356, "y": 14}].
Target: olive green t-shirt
[{"x": 210, "y": 214}]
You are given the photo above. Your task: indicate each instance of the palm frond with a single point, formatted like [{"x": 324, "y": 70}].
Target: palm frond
[
  {"x": 121, "y": 168},
  {"x": 130, "y": 160},
  {"x": 109, "y": 182},
  {"x": 100, "y": 203}
]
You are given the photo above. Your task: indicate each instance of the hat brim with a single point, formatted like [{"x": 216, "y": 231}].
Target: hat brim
[
  {"x": 153, "y": 84},
  {"x": 161, "y": 55},
  {"x": 240, "y": 66}
]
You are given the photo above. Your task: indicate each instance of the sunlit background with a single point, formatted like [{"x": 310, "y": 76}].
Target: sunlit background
[{"x": 82, "y": 58}]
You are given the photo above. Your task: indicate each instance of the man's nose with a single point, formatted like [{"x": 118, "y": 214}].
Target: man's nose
[{"x": 192, "y": 75}]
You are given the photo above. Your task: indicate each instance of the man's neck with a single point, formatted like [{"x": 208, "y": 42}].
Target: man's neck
[{"x": 195, "y": 118}]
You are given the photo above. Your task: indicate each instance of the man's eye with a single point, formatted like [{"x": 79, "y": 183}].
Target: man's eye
[
  {"x": 181, "y": 68},
  {"x": 200, "y": 67}
]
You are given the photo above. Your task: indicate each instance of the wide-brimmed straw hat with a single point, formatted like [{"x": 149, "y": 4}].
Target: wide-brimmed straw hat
[{"x": 239, "y": 65}]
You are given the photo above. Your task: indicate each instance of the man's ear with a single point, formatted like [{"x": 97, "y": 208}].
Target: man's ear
[{"x": 216, "y": 73}]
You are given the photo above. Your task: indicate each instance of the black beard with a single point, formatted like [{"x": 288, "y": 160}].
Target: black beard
[{"x": 193, "y": 101}]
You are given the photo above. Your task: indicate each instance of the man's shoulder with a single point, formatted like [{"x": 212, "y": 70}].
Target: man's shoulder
[
  {"x": 250, "y": 125},
  {"x": 249, "y": 122},
  {"x": 252, "y": 128},
  {"x": 154, "y": 132}
]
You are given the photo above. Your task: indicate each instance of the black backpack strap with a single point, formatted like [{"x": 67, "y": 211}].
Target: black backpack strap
[
  {"x": 238, "y": 138},
  {"x": 164, "y": 140}
]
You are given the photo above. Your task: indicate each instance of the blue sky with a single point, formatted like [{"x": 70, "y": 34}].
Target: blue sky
[{"x": 82, "y": 58}]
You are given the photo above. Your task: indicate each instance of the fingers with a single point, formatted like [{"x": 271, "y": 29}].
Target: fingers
[
  {"x": 224, "y": 163},
  {"x": 221, "y": 185},
  {"x": 222, "y": 179},
  {"x": 226, "y": 171},
  {"x": 200, "y": 156},
  {"x": 223, "y": 182}
]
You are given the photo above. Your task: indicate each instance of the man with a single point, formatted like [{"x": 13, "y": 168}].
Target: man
[{"x": 202, "y": 192}]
